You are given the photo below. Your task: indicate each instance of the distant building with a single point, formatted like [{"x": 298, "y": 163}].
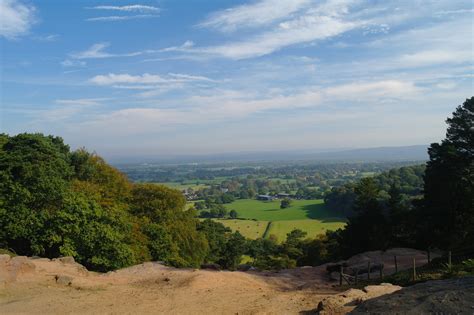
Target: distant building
[
  {"x": 264, "y": 197},
  {"x": 283, "y": 195}
]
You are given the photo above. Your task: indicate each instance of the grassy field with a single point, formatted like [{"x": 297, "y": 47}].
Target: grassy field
[
  {"x": 270, "y": 210},
  {"x": 310, "y": 216},
  {"x": 248, "y": 228},
  {"x": 312, "y": 227},
  {"x": 182, "y": 186}
]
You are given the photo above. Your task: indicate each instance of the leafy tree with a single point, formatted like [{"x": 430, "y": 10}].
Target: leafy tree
[
  {"x": 233, "y": 214},
  {"x": 234, "y": 249},
  {"x": 285, "y": 203}
]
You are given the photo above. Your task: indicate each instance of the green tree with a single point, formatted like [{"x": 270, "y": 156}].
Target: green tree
[
  {"x": 233, "y": 214},
  {"x": 366, "y": 230},
  {"x": 285, "y": 203},
  {"x": 447, "y": 213}
]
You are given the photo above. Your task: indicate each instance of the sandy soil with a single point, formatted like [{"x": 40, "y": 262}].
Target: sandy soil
[{"x": 46, "y": 286}]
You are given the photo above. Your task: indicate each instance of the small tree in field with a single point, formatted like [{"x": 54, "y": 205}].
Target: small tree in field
[
  {"x": 285, "y": 203},
  {"x": 233, "y": 214}
]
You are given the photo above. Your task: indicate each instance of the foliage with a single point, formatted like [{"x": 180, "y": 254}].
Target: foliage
[
  {"x": 225, "y": 248},
  {"x": 447, "y": 209},
  {"x": 54, "y": 202},
  {"x": 285, "y": 203}
]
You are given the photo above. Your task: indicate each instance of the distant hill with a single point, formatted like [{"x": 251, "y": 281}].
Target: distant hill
[
  {"x": 379, "y": 154},
  {"x": 406, "y": 153}
]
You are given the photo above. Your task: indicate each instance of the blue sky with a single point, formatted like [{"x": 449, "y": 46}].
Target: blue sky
[{"x": 199, "y": 77}]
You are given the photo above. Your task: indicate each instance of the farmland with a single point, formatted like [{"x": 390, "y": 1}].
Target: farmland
[
  {"x": 248, "y": 228},
  {"x": 310, "y": 216}
]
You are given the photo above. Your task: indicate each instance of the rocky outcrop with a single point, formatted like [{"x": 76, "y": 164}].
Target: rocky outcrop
[
  {"x": 343, "y": 302},
  {"x": 451, "y": 296}
]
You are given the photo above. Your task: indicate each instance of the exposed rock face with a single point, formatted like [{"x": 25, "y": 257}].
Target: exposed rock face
[
  {"x": 63, "y": 280},
  {"x": 343, "y": 302},
  {"x": 451, "y": 296},
  {"x": 12, "y": 268},
  {"x": 67, "y": 260}
]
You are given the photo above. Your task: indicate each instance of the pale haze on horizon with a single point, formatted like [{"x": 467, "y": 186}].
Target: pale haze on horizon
[{"x": 166, "y": 77}]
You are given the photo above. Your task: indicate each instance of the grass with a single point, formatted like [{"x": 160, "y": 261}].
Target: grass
[
  {"x": 310, "y": 216},
  {"x": 270, "y": 210},
  {"x": 313, "y": 227},
  {"x": 182, "y": 186},
  {"x": 248, "y": 228},
  {"x": 7, "y": 252}
]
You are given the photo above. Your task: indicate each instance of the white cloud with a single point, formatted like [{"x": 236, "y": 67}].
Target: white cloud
[
  {"x": 317, "y": 22},
  {"x": 146, "y": 11},
  {"x": 47, "y": 38},
  {"x": 184, "y": 47},
  {"x": 16, "y": 18},
  {"x": 303, "y": 30},
  {"x": 72, "y": 63},
  {"x": 253, "y": 15},
  {"x": 112, "y": 78},
  {"x": 81, "y": 101},
  {"x": 366, "y": 91},
  {"x": 436, "y": 56},
  {"x": 97, "y": 51},
  {"x": 146, "y": 81},
  {"x": 121, "y": 17},
  {"x": 127, "y": 8}
]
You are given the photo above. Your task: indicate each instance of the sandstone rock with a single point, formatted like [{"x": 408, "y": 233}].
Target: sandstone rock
[
  {"x": 4, "y": 258},
  {"x": 63, "y": 280},
  {"x": 67, "y": 260},
  {"x": 450, "y": 296}
]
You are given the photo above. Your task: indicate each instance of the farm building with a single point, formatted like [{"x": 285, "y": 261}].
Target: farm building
[
  {"x": 264, "y": 197},
  {"x": 283, "y": 195}
]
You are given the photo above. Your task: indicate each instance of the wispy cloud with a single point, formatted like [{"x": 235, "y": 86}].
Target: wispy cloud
[
  {"x": 146, "y": 11},
  {"x": 253, "y": 15},
  {"x": 16, "y": 18},
  {"x": 121, "y": 17},
  {"x": 127, "y": 8},
  {"x": 81, "y": 101},
  {"x": 47, "y": 38},
  {"x": 72, "y": 63},
  {"x": 146, "y": 81},
  {"x": 303, "y": 30},
  {"x": 98, "y": 51}
]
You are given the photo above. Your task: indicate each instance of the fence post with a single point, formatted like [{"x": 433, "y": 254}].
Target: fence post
[
  {"x": 341, "y": 270},
  {"x": 381, "y": 272},
  {"x": 429, "y": 256},
  {"x": 414, "y": 268},
  {"x": 449, "y": 259},
  {"x": 368, "y": 270},
  {"x": 356, "y": 277},
  {"x": 396, "y": 264}
]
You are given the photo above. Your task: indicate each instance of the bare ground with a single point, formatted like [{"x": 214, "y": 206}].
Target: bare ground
[{"x": 46, "y": 286}]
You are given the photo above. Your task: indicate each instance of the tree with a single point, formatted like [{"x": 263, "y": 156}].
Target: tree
[
  {"x": 234, "y": 249},
  {"x": 285, "y": 203},
  {"x": 447, "y": 212},
  {"x": 366, "y": 230},
  {"x": 233, "y": 214}
]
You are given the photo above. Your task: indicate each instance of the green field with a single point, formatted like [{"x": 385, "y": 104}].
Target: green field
[
  {"x": 182, "y": 186},
  {"x": 313, "y": 227},
  {"x": 310, "y": 216},
  {"x": 270, "y": 210},
  {"x": 248, "y": 228}
]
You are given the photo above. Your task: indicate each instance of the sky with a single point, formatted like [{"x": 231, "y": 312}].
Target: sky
[{"x": 175, "y": 77}]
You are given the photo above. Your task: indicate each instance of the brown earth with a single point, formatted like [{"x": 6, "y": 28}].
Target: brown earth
[{"x": 29, "y": 285}]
